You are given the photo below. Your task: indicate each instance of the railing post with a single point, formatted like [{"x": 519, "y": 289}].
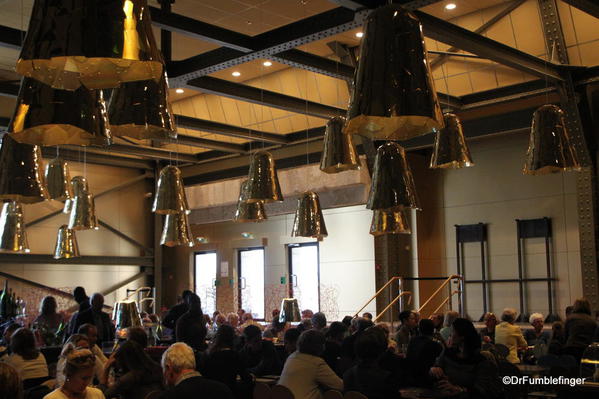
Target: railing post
[{"x": 399, "y": 292}]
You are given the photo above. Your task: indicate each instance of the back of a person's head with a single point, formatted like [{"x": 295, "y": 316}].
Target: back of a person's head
[
  {"x": 224, "y": 338},
  {"x": 48, "y": 305},
  {"x": 509, "y": 315},
  {"x": 131, "y": 356},
  {"x": 426, "y": 327},
  {"x": 311, "y": 342},
  {"x": 193, "y": 301},
  {"x": 319, "y": 320},
  {"x": 291, "y": 336},
  {"x": 252, "y": 333},
  {"x": 79, "y": 294},
  {"x": 465, "y": 329},
  {"x": 305, "y": 325},
  {"x": 450, "y": 316},
  {"x": 179, "y": 357},
  {"x": 74, "y": 341},
  {"x": 22, "y": 342},
  {"x": 363, "y": 324},
  {"x": 77, "y": 360},
  {"x": 404, "y": 316},
  {"x": 569, "y": 310},
  {"x": 85, "y": 328},
  {"x": 557, "y": 328},
  {"x": 582, "y": 305},
  {"x": 138, "y": 335},
  {"x": 367, "y": 315},
  {"x": 185, "y": 294},
  {"x": 336, "y": 331},
  {"x": 11, "y": 386},
  {"x": 384, "y": 327},
  {"x": 347, "y": 321},
  {"x": 370, "y": 344}
]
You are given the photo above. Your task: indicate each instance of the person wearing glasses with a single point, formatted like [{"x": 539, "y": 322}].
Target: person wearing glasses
[{"x": 79, "y": 373}]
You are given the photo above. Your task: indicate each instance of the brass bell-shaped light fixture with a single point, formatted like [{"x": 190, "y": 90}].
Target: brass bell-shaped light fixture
[
  {"x": 66, "y": 244},
  {"x": 394, "y": 96},
  {"x": 141, "y": 110},
  {"x": 170, "y": 193},
  {"x": 83, "y": 213},
  {"x": 263, "y": 182},
  {"x": 79, "y": 187},
  {"x": 126, "y": 315},
  {"x": 309, "y": 221},
  {"x": 450, "y": 149},
  {"x": 22, "y": 177},
  {"x": 12, "y": 229},
  {"x": 176, "y": 230},
  {"x": 392, "y": 186},
  {"x": 549, "y": 147},
  {"x": 97, "y": 43},
  {"x": 290, "y": 311},
  {"x": 248, "y": 211},
  {"x": 58, "y": 180},
  {"x": 47, "y": 116},
  {"x": 389, "y": 222},
  {"x": 339, "y": 153}
]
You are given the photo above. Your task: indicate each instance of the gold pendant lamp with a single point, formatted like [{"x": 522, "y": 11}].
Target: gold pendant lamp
[
  {"x": 393, "y": 97},
  {"x": 389, "y": 222},
  {"x": 170, "y": 195},
  {"x": 549, "y": 147},
  {"x": 22, "y": 177},
  {"x": 79, "y": 187},
  {"x": 66, "y": 244},
  {"x": 82, "y": 206},
  {"x": 95, "y": 43},
  {"x": 141, "y": 110},
  {"x": 176, "y": 230},
  {"x": 47, "y": 116},
  {"x": 248, "y": 211},
  {"x": 58, "y": 180},
  {"x": 450, "y": 149},
  {"x": 263, "y": 182},
  {"x": 12, "y": 229},
  {"x": 339, "y": 153},
  {"x": 392, "y": 187},
  {"x": 309, "y": 221}
]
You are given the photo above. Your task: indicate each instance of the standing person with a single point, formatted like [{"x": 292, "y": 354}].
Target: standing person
[
  {"x": 580, "y": 329},
  {"x": 10, "y": 383},
  {"x": 171, "y": 317},
  {"x": 27, "y": 359},
  {"x": 422, "y": 352},
  {"x": 81, "y": 298},
  {"x": 49, "y": 325},
  {"x": 182, "y": 379},
  {"x": 305, "y": 373},
  {"x": 79, "y": 373},
  {"x": 406, "y": 330},
  {"x": 506, "y": 333},
  {"x": 487, "y": 333},
  {"x": 191, "y": 328},
  {"x": 536, "y": 335},
  {"x": 94, "y": 315}
]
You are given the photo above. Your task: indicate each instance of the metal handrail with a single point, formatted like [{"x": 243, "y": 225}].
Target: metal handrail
[
  {"x": 376, "y": 294},
  {"x": 443, "y": 285},
  {"x": 446, "y": 300},
  {"x": 378, "y": 316}
]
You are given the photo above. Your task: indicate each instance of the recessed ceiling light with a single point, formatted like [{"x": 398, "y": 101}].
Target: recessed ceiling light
[
  {"x": 450, "y": 6},
  {"x": 359, "y": 34},
  {"x": 236, "y": 73},
  {"x": 267, "y": 63},
  {"x": 179, "y": 91}
]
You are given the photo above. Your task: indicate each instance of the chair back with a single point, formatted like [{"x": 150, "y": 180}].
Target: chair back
[
  {"x": 332, "y": 394},
  {"x": 354, "y": 395},
  {"x": 281, "y": 392},
  {"x": 262, "y": 391}
]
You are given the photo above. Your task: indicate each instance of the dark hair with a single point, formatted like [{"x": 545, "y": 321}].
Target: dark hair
[
  {"x": 336, "y": 331},
  {"x": 569, "y": 309},
  {"x": 370, "y": 344},
  {"x": 22, "y": 342},
  {"x": 130, "y": 356},
  {"x": 84, "y": 328},
  {"x": 138, "y": 335},
  {"x": 557, "y": 330},
  {"x": 347, "y": 321},
  {"x": 305, "y": 325},
  {"x": 224, "y": 338},
  {"x": 582, "y": 305},
  {"x": 363, "y": 324},
  {"x": 251, "y": 332},
  {"x": 291, "y": 335},
  {"x": 319, "y": 320},
  {"x": 471, "y": 339},
  {"x": 10, "y": 383},
  {"x": 79, "y": 294},
  {"x": 405, "y": 315},
  {"x": 185, "y": 294},
  {"x": 48, "y": 305},
  {"x": 426, "y": 327},
  {"x": 367, "y": 315},
  {"x": 311, "y": 342}
]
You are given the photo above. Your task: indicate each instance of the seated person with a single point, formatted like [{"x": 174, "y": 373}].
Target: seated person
[
  {"x": 258, "y": 354},
  {"x": 10, "y": 383},
  {"x": 332, "y": 347},
  {"x": 290, "y": 341},
  {"x": 510, "y": 335},
  {"x": 138, "y": 335},
  {"x": 422, "y": 352},
  {"x": 26, "y": 359},
  {"x": 75, "y": 341},
  {"x": 536, "y": 334},
  {"x": 558, "y": 338},
  {"x": 79, "y": 372},
  {"x": 487, "y": 333}
]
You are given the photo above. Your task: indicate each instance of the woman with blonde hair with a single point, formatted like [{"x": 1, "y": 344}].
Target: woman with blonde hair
[{"x": 79, "y": 373}]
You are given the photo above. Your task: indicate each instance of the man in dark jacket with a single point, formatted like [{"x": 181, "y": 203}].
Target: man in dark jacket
[
  {"x": 94, "y": 315},
  {"x": 173, "y": 314},
  {"x": 422, "y": 352},
  {"x": 182, "y": 379}
]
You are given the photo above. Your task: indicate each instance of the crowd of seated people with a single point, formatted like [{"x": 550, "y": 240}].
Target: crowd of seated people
[{"x": 221, "y": 358}]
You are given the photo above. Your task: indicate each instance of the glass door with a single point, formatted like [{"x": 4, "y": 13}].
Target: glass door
[
  {"x": 205, "y": 277},
  {"x": 304, "y": 275},
  {"x": 251, "y": 281}
]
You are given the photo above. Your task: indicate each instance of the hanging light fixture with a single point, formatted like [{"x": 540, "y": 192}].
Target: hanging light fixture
[
  {"x": 142, "y": 110},
  {"x": 79, "y": 187},
  {"x": 263, "y": 182},
  {"x": 393, "y": 97},
  {"x": 450, "y": 149},
  {"x": 248, "y": 211},
  {"x": 12, "y": 229},
  {"x": 47, "y": 116},
  {"x": 66, "y": 244},
  {"x": 389, "y": 222},
  {"x": 309, "y": 221},
  {"x": 549, "y": 147},
  {"x": 99, "y": 44},
  {"x": 339, "y": 153},
  {"x": 22, "y": 177},
  {"x": 58, "y": 180},
  {"x": 170, "y": 193},
  {"x": 176, "y": 230},
  {"x": 82, "y": 206},
  {"x": 392, "y": 186}
]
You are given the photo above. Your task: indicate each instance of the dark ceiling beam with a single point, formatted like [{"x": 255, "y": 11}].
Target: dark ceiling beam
[
  {"x": 146, "y": 261},
  {"x": 314, "y": 63},
  {"x": 9, "y": 89},
  {"x": 264, "y": 97},
  {"x": 589, "y": 6},
  {"x": 360, "y": 4},
  {"x": 11, "y": 38}
]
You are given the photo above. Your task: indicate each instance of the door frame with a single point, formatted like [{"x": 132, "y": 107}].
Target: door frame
[
  {"x": 239, "y": 300},
  {"x": 290, "y": 265}
]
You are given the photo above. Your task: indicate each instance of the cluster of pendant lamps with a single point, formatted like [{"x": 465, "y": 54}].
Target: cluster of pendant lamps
[{"x": 73, "y": 50}]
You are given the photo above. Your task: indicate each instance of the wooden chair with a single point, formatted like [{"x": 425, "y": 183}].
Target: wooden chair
[
  {"x": 354, "y": 395},
  {"x": 332, "y": 394},
  {"x": 281, "y": 392},
  {"x": 262, "y": 391}
]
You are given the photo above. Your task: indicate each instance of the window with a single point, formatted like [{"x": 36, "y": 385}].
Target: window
[
  {"x": 251, "y": 281},
  {"x": 304, "y": 275},
  {"x": 205, "y": 277}
]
